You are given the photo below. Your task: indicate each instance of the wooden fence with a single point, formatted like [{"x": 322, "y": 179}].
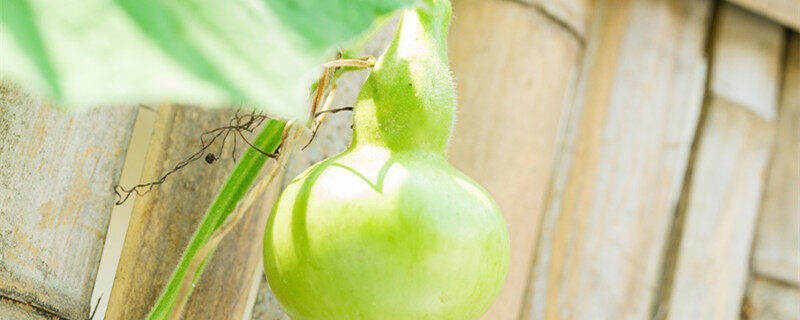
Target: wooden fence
[{"x": 645, "y": 154}]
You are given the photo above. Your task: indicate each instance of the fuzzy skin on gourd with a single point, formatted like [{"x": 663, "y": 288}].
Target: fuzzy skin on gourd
[{"x": 388, "y": 229}]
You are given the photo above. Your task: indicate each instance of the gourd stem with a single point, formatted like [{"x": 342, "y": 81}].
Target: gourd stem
[{"x": 408, "y": 101}]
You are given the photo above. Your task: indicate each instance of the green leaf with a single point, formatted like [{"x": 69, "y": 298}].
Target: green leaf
[{"x": 211, "y": 53}]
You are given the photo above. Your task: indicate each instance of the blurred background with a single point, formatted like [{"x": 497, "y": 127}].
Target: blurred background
[{"x": 645, "y": 155}]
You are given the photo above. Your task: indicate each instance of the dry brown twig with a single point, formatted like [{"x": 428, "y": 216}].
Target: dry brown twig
[{"x": 238, "y": 125}]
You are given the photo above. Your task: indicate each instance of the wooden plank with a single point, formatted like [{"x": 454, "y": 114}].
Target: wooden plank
[
  {"x": 777, "y": 246},
  {"x": 747, "y": 60},
  {"x": 164, "y": 220},
  {"x": 512, "y": 89},
  {"x": 622, "y": 160},
  {"x": 56, "y": 172},
  {"x": 785, "y": 12},
  {"x": 725, "y": 189},
  {"x": 769, "y": 300}
]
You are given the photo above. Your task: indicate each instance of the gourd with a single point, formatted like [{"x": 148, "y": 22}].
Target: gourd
[{"x": 388, "y": 229}]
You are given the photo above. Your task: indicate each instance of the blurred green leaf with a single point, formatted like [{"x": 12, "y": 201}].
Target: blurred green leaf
[{"x": 94, "y": 53}]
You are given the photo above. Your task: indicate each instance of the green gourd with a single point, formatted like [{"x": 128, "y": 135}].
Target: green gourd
[{"x": 388, "y": 229}]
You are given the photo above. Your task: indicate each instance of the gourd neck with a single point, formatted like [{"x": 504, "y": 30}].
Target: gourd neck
[{"x": 407, "y": 102}]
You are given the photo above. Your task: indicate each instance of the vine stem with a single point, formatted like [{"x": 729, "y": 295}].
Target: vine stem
[
  {"x": 234, "y": 189},
  {"x": 290, "y": 136}
]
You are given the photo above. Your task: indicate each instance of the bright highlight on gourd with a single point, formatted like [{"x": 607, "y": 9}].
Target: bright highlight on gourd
[{"x": 388, "y": 229}]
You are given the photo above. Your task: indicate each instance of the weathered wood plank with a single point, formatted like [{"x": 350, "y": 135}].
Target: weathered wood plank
[
  {"x": 777, "y": 246},
  {"x": 785, "y": 12},
  {"x": 712, "y": 262},
  {"x": 622, "y": 160},
  {"x": 511, "y": 88},
  {"x": 164, "y": 220},
  {"x": 725, "y": 188},
  {"x": 56, "y": 172}
]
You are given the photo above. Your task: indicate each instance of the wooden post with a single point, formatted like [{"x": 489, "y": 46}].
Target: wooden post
[
  {"x": 57, "y": 171},
  {"x": 724, "y": 191},
  {"x": 775, "y": 289},
  {"x": 621, "y": 161},
  {"x": 514, "y": 65},
  {"x": 164, "y": 220}
]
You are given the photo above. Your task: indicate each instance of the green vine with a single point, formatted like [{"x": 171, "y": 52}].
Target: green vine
[{"x": 232, "y": 192}]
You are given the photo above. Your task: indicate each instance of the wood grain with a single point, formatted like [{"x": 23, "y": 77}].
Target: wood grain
[
  {"x": 621, "y": 161},
  {"x": 512, "y": 89},
  {"x": 785, "y": 12},
  {"x": 164, "y": 220},
  {"x": 725, "y": 189},
  {"x": 57, "y": 171}
]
